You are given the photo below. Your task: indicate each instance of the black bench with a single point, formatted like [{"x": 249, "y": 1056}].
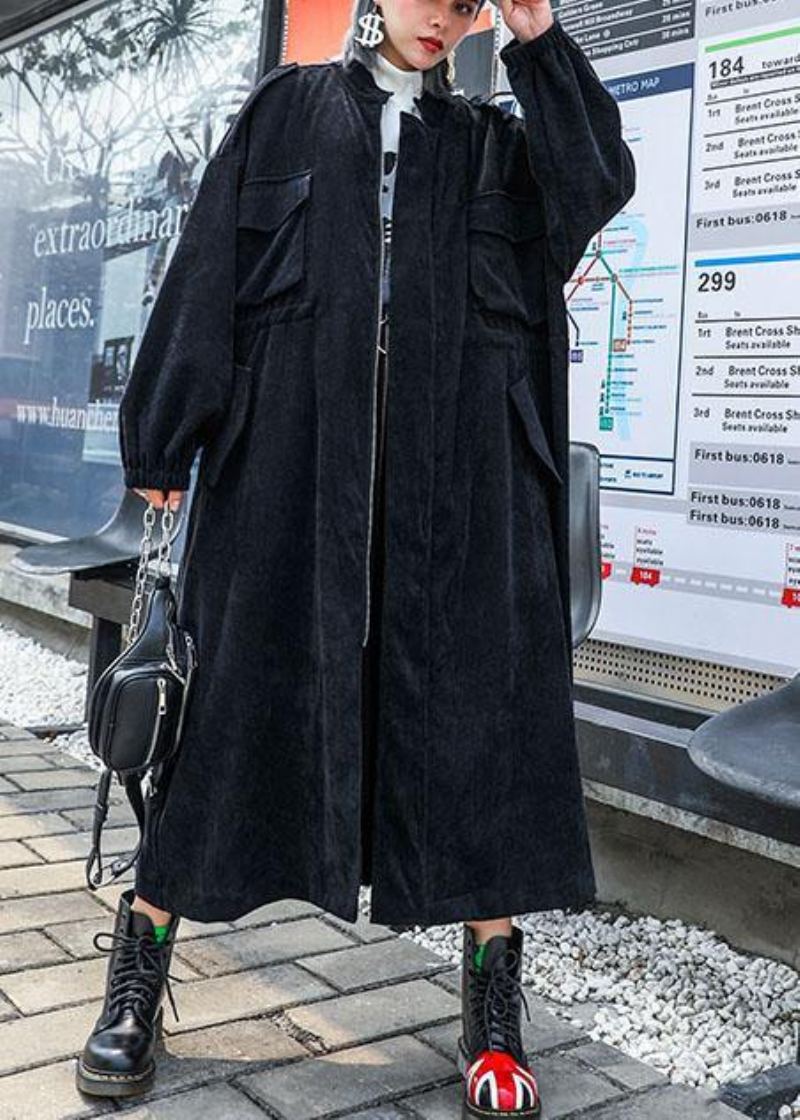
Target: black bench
[{"x": 755, "y": 746}]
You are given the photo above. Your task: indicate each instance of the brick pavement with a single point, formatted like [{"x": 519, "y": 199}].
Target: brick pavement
[{"x": 288, "y": 1013}]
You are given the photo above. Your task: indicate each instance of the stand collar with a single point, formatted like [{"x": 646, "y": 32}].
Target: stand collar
[{"x": 362, "y": 82}]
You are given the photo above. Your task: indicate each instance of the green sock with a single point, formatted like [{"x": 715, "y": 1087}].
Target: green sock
[
  {"x": 160, "y": 932},
  {"x": 479, "y": 951}
]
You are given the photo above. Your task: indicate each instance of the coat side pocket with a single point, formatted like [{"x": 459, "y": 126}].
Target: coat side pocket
[
  {"x": 522, "y": 397},
  {"x": 271, "y": 236},
  {"x": 218, "y": 449}
]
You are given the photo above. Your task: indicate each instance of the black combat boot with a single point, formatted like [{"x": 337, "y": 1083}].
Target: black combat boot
[
  {"x": 117, "y": 1060},
  {"x": 498, "y": 1080}
]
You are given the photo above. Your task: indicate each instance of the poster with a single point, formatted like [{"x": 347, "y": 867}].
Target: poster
[{"x": 684, "y": 321}]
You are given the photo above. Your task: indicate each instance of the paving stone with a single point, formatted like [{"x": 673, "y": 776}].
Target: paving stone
[
  {"x": 189, "y": 929},
  {"x": 7, "y": 1010},
  {"x": 349, "y": 1079},
  {"x": 220, "y": 999},
  {"x": 566, "y": 1086},
  {"x": 213, "y": 1102},
  {"x": 231, "y": 1044},
  {"x": 119, "y": 815},
  {"x": 58, "y": 985},
  {"x": 14, "y": 854},
  {"x": 668, "y": 1102},
  {"x": 44, "y": 878},
  {"x": 381, "y": 1112},
  {"x": 450, "y": 979},
  {"x": 46, "y": 910},
  {"x": 217, "y": 1053},
  {"x": 33, "y": 824},
  {"x": 615, "y": 1063},
  {"x": 544, "y": 1032},
  {"x": 443, "y": 1038},
  {"x": 57, "y": 778},
  {"x": 279, "y": 911},
  {"x": 437, "y": 1104},
  {"x": 77, "y": 845},
  {"x": 19, "y": 738},
  {"x": 382, "y": 962},
  {"x": 13, "y": 764},
  {"x": 47, "y": 1093},
  {"x": 365, "y": 1015},
  {"x": 249, "y": 948},
  {"x": 76, "y": 937},
  {"x": 362, "y": 928},
  {"x": 8, "y": 787},
  {"x": 26, "y": 949},
  {"x": 68, "y": 761},
  {"x": 36, "y": 801},
  {"x": 109, "y": 895},
  {"x": 37, "y": 1039}
]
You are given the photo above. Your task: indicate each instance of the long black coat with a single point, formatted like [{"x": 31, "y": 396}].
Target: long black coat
[{"x": 261, "y": 348}]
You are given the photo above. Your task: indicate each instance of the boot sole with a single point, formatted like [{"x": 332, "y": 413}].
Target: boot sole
[
  {"x": 472, "y": 1112},
  {"x": 99, "y": 1083}
]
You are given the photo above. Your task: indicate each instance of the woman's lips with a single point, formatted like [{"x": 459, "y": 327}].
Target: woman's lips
[{"x": 432, "y": 45}]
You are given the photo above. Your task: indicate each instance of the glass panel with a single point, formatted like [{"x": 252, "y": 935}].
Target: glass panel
[{"x": 107, "y": 121}]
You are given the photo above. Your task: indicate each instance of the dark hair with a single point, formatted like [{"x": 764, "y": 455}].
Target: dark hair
[{"x": 437, "y": 79}]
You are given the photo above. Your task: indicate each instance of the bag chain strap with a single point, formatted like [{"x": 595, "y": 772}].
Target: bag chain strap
[{"x": 164, "y": 563}]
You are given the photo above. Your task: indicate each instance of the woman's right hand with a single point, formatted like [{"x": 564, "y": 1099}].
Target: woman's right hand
[{"x": 157, "y": 497}]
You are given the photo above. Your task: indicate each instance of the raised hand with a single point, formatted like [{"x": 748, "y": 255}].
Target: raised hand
[{"x": 526, "y": 19}]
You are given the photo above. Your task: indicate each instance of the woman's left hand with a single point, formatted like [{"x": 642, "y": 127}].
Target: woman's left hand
[{"x": 526, "y": 18}]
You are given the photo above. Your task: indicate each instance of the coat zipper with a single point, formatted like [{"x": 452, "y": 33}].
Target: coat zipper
[{"x": 374, "y": 405}]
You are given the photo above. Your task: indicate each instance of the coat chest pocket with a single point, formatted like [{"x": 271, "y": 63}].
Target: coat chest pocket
[
  {"x": 271, "y": 236},
  {"x": 522, "y": 397},
  {"x": 501, "y": 231}
]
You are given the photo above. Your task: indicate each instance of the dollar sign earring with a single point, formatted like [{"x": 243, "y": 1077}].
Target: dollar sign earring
[{"x": 371, "y": 24}]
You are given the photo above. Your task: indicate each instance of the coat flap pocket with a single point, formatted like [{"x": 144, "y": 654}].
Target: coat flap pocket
[
  {"x": 220, "y": 447},
  {"x": 266, "y": 203},
  {"x": 515, "y": 217},
  {"x": 526, "y": 406}
]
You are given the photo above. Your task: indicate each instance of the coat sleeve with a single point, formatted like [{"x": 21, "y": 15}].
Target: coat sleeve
[
  {"x": 182, "y": 381},
  {"x": 572, "y": 129}
]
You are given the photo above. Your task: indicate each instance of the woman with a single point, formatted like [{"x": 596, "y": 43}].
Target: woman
[{"x": 376, "y": 573}]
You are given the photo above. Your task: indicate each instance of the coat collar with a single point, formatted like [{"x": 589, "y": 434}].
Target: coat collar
[{"x": 362, "y": 82}]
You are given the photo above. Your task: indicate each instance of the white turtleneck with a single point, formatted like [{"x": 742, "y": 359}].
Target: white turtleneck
[{"x": 404, "y": 85}]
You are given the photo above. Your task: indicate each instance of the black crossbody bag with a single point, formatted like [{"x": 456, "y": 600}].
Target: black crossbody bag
[{"x": 138, "y": 703}]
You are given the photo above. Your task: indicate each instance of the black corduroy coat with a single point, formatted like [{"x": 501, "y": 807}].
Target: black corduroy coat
[{"x": 261, "y": 349}]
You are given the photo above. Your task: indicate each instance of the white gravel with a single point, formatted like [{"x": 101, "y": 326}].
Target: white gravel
[
  {"x": 670, "y": 994},
  {"x": 37, "y": 686}
]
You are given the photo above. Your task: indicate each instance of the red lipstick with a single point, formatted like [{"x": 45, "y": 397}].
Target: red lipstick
[{"x": 431, "y": 44}]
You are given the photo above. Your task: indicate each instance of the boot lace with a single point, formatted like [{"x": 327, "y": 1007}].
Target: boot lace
[
  {"x": 494, "y": 998},
  {"x": 139, "y": 972}
]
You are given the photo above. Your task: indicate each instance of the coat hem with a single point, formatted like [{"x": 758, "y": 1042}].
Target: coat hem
[
  {"x": 480, "y": 905},
  {"x": 222, "y": 910},
  {"x": 483, "y": 905}
]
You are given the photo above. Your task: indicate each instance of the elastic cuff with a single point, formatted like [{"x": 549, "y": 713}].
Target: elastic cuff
[
  {"x": 518, "y": 51},
  {"x": 139, "y": 475}
]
